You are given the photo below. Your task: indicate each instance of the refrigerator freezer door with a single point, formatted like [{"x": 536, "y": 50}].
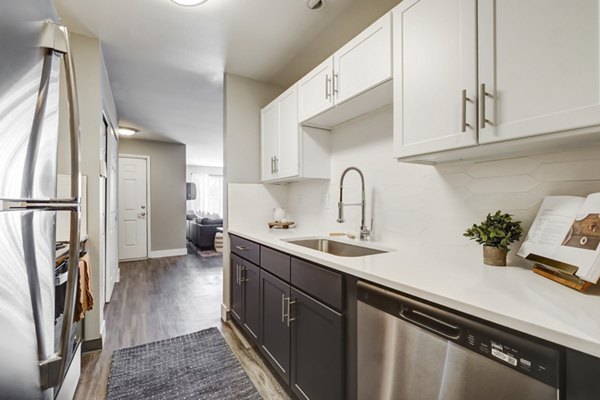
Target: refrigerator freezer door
[
  {"x": 27, "y": 248},
  {"x": 29, "y": 87}
]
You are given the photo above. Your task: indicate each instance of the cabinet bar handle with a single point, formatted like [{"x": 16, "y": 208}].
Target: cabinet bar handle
[
  {"x": 243, "y": 275},
  {"x": 464, "y": 100},
  {"x": 276, "y": 164},
  {"x": 282, "y": 308},
  {"x": 482, "y": 94},
  {"x": 237, "y": 274},
  {"x": 336, "y": 84},
  {"x": 289, "y": 310},
  {"x": 242, "y": 248},
  {"x": 327, "y": 86},
  {"x": 272, "y": 165}
]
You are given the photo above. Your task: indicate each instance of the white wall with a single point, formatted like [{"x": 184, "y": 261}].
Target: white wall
[
  {"x": 201, "y": 169},
  {"x": 430, "y": 205}
]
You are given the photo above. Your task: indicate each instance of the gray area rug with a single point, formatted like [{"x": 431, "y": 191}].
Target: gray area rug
[{"x": 195, "y": 366}]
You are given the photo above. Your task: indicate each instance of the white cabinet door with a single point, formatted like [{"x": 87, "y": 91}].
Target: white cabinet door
[
  {"x": 269, "y": 139},
  {"x": 365, "y": 61},
  {"x": 286, "y": 164},
  {"x": 539, "y": 62},
  {"x": 434, "y": 64},
  {"x": 315, "y": 91}
]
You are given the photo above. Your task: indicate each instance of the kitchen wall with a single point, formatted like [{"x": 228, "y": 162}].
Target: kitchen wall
[
  {"x": 243, "y": 98},
  {"x": 95, "y": 95},
  {"x": 167, "y": 192},
  {"x": 432, "y": 206}
]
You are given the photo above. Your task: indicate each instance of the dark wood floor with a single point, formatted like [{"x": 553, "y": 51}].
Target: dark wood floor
[{"x": 162, "y": 298}]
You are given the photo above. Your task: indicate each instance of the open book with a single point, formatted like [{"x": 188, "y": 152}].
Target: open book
[{"x": 566, "y": 230}]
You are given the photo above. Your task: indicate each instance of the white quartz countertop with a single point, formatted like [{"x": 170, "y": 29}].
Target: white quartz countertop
[{"x": 511, "y": 296}]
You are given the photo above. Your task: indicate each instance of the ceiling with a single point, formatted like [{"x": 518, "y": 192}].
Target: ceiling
[{"x": 166, "y": 62}]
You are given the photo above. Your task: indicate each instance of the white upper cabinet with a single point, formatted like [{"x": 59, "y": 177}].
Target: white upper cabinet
[
  {"x": 269, "y": 121},
  {"x": 435, "y": 76},
  {"x": 290, "y": 151},
  {"x": 539, "y": 67},
  {"x": 364, "y": 62},
  {"x": 333, "y": 92},
  {"x": 287, "y": 163},
  {"x": 467, "y": 76},
  {"x": 315, "y": 91}
]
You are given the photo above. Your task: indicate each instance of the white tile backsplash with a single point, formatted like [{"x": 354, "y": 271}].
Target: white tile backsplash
[
  {"x": 414, "y": 203},
  {"x": 433, "y": 205}
]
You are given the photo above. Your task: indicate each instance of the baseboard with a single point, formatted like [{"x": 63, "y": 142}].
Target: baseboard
[
  {"x": 92, "y": 345},
  {"x": 168, "y": 253},
  {"x": 224, "y": 313}
]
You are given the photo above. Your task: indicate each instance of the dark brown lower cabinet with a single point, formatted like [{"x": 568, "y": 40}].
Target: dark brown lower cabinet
[
  {"x": 251, "y": 295},
  {"x": 245, "y": 290},
  {"x": 237, "y": 289},
  {"x": 274, "y": 329},
  {"x": 317, "y": 362},
  {"x": 302, "y": 339}
]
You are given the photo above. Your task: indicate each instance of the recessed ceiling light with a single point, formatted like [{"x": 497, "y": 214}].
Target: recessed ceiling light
[
  {"x": 189, "y": 3},
  {"x": 127, "y": 131},
  {"x": 314, "y": 4}
]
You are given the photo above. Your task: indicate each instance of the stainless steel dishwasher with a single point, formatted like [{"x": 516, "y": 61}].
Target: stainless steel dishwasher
[{"x": 408, "y": 350}]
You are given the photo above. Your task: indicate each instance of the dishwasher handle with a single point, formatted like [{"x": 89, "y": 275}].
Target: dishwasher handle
[
  {"x": 431, "y": 323},
  {"x": 440, "y": 322}
]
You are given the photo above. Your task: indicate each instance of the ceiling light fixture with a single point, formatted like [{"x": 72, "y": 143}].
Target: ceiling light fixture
[
  {"x": 127, "y": 131},
  {"x": 189, "y": 3},
  {"x": 314, "y": 4}
]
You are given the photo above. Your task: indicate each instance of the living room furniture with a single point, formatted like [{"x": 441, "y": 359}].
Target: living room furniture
[{"x": 202, "y": 231}]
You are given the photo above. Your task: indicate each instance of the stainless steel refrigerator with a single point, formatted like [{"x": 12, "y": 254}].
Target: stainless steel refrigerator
[{"x": 32, "y": 48}]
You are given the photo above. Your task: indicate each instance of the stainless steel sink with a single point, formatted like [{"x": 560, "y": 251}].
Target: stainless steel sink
[{"x": 336, "y": 248}]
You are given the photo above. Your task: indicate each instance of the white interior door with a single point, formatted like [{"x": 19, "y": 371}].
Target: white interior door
[
  {"x": 112, "y": 223},
  {"x": 133, "y": 233}
]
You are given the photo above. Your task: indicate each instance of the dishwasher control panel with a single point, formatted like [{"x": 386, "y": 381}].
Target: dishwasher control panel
[{"x": 537, "y": 361}]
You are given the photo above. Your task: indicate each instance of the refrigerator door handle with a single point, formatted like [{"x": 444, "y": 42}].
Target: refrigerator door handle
[
  {"x": 73, "y": 274},
  {"x": 36, "y": 128},
  {"x": 53, "y": 370}
]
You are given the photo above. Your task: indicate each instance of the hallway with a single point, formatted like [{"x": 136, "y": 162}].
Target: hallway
[{"x": 163, "y": 298}]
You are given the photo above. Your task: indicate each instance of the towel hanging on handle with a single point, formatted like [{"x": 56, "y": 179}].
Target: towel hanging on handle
[{"x": 85, "y": 297}]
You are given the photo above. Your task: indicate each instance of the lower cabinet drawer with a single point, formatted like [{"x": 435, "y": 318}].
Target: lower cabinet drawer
[
  {"x": 317, "y": 281},
  {"x": 246, "y": 249},
  {"x": 275, "y": 262}
]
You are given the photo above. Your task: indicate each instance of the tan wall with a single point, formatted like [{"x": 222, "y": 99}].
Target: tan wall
[
  {"x": 167, "y": 190},
  {"x": 88, "y": 71}
]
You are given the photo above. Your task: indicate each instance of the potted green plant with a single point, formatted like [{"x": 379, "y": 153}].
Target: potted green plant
[{"x": 496, "y": 234}]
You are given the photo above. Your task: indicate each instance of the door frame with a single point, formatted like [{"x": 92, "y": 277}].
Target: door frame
[
  {"x": 148, "y": 202},
  {"x": 110, "y": 132}
]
